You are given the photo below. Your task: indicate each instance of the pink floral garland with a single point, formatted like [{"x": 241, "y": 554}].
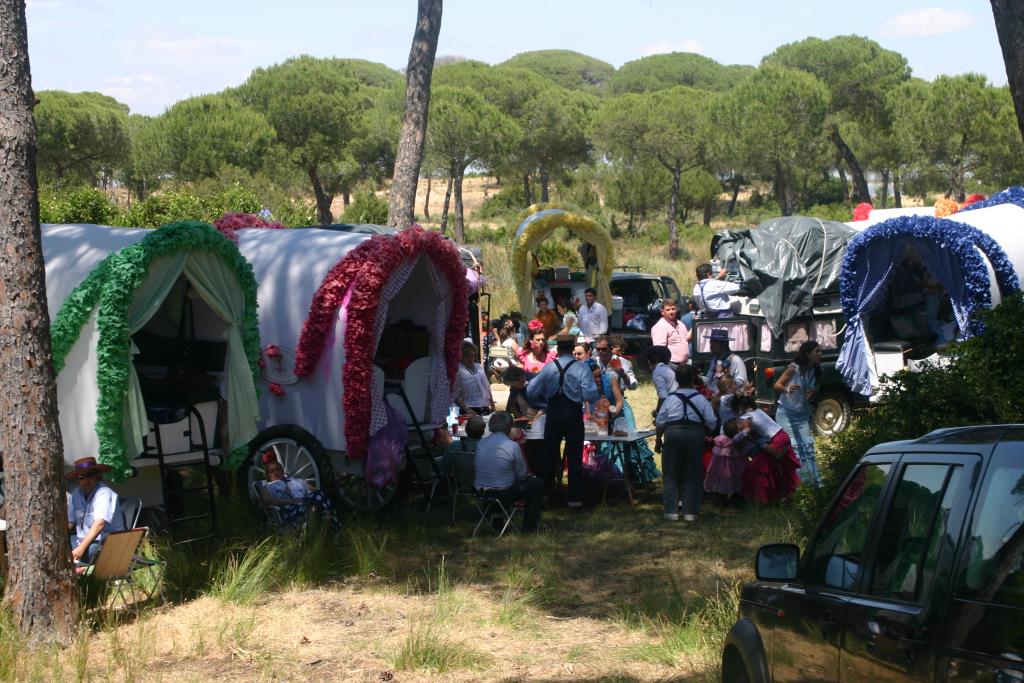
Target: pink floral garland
[
  {"x": 365, "y": 270},
  {"x": 230, "y": 222}
]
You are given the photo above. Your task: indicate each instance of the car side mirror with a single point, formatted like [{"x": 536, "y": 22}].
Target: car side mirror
[{"x": 777, "y": 562}]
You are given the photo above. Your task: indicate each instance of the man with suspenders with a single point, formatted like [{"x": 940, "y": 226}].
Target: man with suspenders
[
  {"x": 560, "y": 388},
  {"x": 712, "y": 294}
]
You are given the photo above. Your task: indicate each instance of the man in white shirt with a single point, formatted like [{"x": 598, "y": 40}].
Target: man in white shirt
[
  {"x": 712, "y": 294},
  {"x": 593, "y": 317},
  {"x": 93, "y": 511},
  {"x": 725, "y": 362},
  {"x": 672, "y": 333},
  {"x": 501, "y": 471}
]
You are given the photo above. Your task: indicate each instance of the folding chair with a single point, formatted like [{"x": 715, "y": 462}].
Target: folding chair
[
  {"x": 271, "y": 513},
  {"x": 491, "y": 510},
  {"x": 463, "y": 471},
  {"x": 118, "y": 562},
  {"x": 131, "y": 511}
]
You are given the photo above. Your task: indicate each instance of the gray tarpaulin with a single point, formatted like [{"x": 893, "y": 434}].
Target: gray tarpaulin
[{"x": 784, "y": 262}]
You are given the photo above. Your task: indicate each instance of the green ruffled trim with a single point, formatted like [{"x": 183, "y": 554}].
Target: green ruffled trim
[
  {"x": 75, "y": 312},
  {"x": 113, "y": 284}
]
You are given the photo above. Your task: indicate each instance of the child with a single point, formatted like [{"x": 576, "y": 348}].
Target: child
[
  {"x": 772, "y": 473},
  {"x": 723, "y": 401},
  {"x": 728, "y": 462}
]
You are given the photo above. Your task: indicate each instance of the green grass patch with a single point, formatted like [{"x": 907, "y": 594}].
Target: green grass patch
[{"x": 425, "y": 648}]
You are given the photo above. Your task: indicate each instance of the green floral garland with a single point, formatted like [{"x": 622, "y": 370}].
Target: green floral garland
[{"x": 113, "y": 284}]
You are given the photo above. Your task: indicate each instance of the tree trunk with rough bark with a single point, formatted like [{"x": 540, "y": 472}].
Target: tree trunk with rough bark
[
  {"x": 402, "y": 202},
  {"x": 527, "y": 190},
  {"x": 860, "y": 182},
  {"x": 460, "y": 235},
  {"x": 447, "y": 203},
  {"x": 323, "y": 200},
  {"x": 843, "y": 180},
  {"x": 544, "y": 197},
  {"x": 737, "y": 182},
  {"x": 782, "y": 190},
  {"x": 897, "y": 190},
  {"x": 426, "y": 200},
  {"x": 884, "y": 192},
  {"x": 40, "y": 587},
  {"x": 1009, "y": 18},
  {"x": 673, "y": 204}
]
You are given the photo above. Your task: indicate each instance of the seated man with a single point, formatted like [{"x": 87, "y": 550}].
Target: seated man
[
  {"x": 293, "y": 496},
  {"x": 93, "y": 511},
  {"x": 501, "y": 471}
]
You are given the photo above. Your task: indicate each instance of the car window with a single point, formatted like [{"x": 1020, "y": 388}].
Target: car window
[
  {"x": 637, "y": 294},
  {"x": 915, "y": 522},
  {"x": 740, "y": 333},
  {"x": 766, "y": 338},
  {"x": 836, "y": 557},
  {"x": 992, "y": 570},
  {"x": 796, "y": 334},
  {"x": 671, "y": 291},
  {"x": 826, "y": 334}
]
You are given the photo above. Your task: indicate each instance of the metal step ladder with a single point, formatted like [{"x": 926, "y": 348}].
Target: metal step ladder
[
  {"x": 188, "y": 504},
  {"x": 429, "y": 477}
]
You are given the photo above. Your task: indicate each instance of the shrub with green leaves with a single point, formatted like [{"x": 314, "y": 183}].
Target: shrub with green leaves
[
  {"x": 367, "y": 207},
  {"x": 80, "y": 205},
  {"x": 982, "y": 384}
]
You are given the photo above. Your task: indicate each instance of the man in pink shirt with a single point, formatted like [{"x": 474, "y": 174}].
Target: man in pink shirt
[{"x": 671, "y": 332}]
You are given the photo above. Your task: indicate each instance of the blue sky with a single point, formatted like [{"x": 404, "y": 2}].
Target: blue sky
[{"x": 151, "y": 53}]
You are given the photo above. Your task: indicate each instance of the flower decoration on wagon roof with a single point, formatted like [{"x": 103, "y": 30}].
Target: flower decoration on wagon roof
[{"x": 945, "y": 207}]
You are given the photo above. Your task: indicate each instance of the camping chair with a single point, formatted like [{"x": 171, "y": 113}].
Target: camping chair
[
  {"x": 131, "y": 511},
  {"x": 271, "y": 513},
  {"x": 495, "y": 512},
  {"x": 463, "y": 471},
  {"x": 118, "y": 562}
]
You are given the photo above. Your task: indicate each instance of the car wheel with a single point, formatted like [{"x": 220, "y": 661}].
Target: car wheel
[
  {"x": 359, "y": 496},
  {"x": 298, "y": 451},
  {"x": 832, "y": 414}
]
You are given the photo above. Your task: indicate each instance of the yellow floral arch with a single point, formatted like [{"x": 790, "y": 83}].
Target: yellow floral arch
[{"x": 540, "y": 221}]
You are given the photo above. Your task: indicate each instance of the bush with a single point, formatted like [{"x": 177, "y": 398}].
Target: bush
[
  {"x": 81, "y": 205},
  {"x": 504, "y": 205},
  {"x": 830, "y": 212},
  {"x": 975, "y": 388},
  {"x": 367, "y": 207}
]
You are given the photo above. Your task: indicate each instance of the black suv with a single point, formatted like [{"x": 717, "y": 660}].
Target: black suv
[{"x": 915, "y": 573}]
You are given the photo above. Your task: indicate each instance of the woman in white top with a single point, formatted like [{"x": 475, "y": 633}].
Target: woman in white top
[
  {"x": 682, "y": 421},
  {"x": 472, "y": 388},
  {"x": 797, "y": 387}
]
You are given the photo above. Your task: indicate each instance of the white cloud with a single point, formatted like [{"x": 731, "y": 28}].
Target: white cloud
[
  {"x": 663, "y": 46},
  {"x": 931, "y": 21}
]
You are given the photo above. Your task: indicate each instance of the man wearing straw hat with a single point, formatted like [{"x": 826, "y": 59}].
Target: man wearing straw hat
[{"x": 93, "y": 511}]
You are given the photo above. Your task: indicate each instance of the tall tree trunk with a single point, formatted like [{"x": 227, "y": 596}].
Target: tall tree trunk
[
  {"x": 843, "y": 180},
  {"x": 460, "y": 235},
  {"x": 673, "y": 204},
  {"x": 631, "y": 222},
  {"x": 897, "y": 190},
  {"x": 402, "y": 203},
  {"x": 1009, "y": 18},
  {"x": 447, "y": 200},
  {"x": 323, "y": 200},
  {"x": 884, "y": 194},
  {"x": 737, "y": 181},
  {"x": 346, "y": 197},
  {"x": 782, "y": 192},
  {"x": 41, "y": 586},
  {"x": 487, "y": 186},
  {"x": 527, "y": 190},
  {"x": 426, "y": 200},
  {"x": 709, "y": 210},
  {"x": 860, "y": 183},
  {"x": 544, "y": 184}
]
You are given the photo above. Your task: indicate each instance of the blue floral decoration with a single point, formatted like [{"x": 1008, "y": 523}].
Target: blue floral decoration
[
  {"x": 960, "y": 238},
  {"x": 1011, "y": 195}
]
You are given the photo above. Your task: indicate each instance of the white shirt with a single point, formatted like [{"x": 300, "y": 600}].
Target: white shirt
[
  {"x": 499, "y": 462},
  {"x": 761, "y": 424},
  {"x": 676, "y": 409},
  {"x": 737, "y": 370},
  {"x": 593, "y": 320},
  {"x": 102, "y": 505},
  {"x": 627, "y": 370},
  {"x": 472, "y": 387},
  {"x": 713, "y": 295},
  {"x": 664, "y": 379}
]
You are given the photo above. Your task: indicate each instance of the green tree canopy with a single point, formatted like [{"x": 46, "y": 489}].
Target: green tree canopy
[
  {"x": 660, "y": 72},
  {"x": 465, "y": 129},
  {"x": 570, "y": 70},
  {"x": 206, "y": 133},
  {"x": 859, "y": 73},
  {"x": 315, "y": 107},
  {"x": 373, "y": 74},
  {"x": 775, "y": 117},
  {"x": 81, "y": 136}
]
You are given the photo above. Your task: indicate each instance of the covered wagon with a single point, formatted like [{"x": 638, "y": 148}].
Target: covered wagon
[{"x": 155, "y": 346}]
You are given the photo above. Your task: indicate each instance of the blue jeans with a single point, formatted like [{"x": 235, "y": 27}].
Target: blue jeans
[
  {"x": 798, "y": 426},
  {"x": 91, "y": 553}
]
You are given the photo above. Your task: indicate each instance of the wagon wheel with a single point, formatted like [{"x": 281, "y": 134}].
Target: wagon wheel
[
  {"x": 358, "y": 495},
  {"x": 297, "y": 450},
  {"x": 832, "y": 414}
]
